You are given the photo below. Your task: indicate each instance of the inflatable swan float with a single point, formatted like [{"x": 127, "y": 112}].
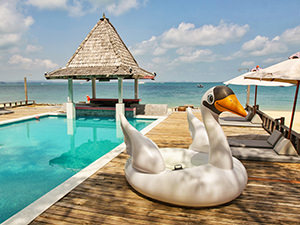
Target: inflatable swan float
[
  {"x": 197, "y": 178},
  {"x": 198, "y": 132}
]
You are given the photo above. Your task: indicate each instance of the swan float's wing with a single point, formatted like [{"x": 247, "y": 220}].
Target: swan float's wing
[
  {"x": 199, "y": 135},
  {"x": 144, "y": 153}
]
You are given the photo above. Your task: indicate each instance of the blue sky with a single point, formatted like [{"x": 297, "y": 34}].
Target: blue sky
[{"x": 192, "y": 40}]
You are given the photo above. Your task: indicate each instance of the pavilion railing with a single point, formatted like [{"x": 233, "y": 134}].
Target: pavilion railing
[
  {"x": 270, "y": 124},
  {"x": 16, "y": 103}
]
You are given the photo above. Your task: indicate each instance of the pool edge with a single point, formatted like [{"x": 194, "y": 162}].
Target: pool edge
[
  {"x": 29, "y": 213},
  {"x": 25, "y": 118}
]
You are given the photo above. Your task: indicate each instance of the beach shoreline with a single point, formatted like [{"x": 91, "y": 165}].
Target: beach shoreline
[{"x": 287, "y": 114}]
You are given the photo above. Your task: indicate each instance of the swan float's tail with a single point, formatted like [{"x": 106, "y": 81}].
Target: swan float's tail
[
  {"x": 198, "y": 132},
  {"x": 144, "y": 153}
]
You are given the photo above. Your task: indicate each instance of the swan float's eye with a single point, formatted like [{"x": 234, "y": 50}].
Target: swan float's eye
[{"x": 210, "y": 99}]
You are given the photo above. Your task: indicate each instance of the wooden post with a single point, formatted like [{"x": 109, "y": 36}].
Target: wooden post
[
  {"x": 294, "y": 109},
  {"x": 93, "y": 87},
  {"x": 248, "y": 95},
  {"x": 136, "y": 88},
  {"x": 120, "y": 89},
  {"x": 25, "y": 88}
]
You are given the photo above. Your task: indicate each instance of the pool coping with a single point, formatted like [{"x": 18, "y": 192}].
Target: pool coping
[{"x": 29, "y": 213}]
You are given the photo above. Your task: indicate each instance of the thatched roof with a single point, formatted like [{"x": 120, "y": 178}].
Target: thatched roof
[{"x": 102, "y": 55}]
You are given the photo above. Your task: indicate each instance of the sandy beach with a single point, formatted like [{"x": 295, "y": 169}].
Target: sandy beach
[{"x": 287, "y": 115}]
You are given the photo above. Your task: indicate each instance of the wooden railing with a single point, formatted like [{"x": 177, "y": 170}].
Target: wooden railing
[
  {"x": 270, "y": 124},
  {"x": 16, "y": 103}
]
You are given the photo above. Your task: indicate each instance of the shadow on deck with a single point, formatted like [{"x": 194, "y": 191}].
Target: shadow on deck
[{"x": 272, "y": 195}]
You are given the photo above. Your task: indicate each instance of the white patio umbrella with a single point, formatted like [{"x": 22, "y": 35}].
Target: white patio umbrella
[
  {"x": 287, "y": 71},
  {"x": 240, "y": 80}
]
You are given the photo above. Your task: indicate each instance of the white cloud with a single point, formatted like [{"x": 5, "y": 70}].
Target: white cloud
[
  {"x": 13, "y": 24},
  {"x": 27, "y": 63},
  {"x": 186, "y": 34},
  {"x": 159, "y": 60},
  {"x": 261, "y": 46},
  {"x": 248, "y": 63},
  {"x": 17, "y": 59},
  {"x": 76, "y": 9},
  {"x": 159, "y": 51},
  {"x": 197, "y": 55},
  {"x": 33, "y": 48},
  {"x": 186, "y": 40},
  {"x": 122, "y": 6},
  {"x": 82, "y": 7},
  {"x": 12, "y": 20},
  {"x": 291, "y": 36},
  {"x": 73, "y": 7},
  {"x": 48, "y": 4},
  {"x": 257, "y": 43},
  {"x": 273, "y": 60},
  {"x": 8, "y": 40},
  {"x": 145, "y": 46}
]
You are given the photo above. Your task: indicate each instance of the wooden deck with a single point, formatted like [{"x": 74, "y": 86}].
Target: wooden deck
[
  {"x": 272, "y": 195},
  {"x": 23, "y": 111}
]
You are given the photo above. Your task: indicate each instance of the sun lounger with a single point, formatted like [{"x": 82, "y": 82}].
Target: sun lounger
[
  {"x": 282, "y": 151},
  {"x": 249, "y": 143},
  {"x": 252, "y": 120},
  {"x": 269, "y": 143},
  {"x": 4, "y": 111},
  {"x": 262, "y": 154}
]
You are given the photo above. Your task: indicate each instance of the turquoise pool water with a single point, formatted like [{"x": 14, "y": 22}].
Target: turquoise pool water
[{"x": 38, "y": 155}]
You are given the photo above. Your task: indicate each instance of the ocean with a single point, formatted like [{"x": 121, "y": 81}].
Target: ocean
[{"x": 171, "y": 93}]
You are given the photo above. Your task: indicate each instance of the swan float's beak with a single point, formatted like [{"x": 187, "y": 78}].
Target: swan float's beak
[{"x": 231, "y": 104}]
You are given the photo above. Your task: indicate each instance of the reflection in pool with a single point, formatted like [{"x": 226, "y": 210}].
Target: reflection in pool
[{"x": 38, "y": 155}]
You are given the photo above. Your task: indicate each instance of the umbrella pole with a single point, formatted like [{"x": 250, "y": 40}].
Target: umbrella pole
[
  {"x": 248, "y": 95},
  {"x": 255, "y": 98},
  {"x": 294, "y": 109}
]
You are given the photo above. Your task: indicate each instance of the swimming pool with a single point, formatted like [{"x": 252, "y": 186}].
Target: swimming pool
[{"x": 37, "y": 155}]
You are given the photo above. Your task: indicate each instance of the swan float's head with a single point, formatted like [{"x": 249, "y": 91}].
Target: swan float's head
[{"x": 221, "y": 98}]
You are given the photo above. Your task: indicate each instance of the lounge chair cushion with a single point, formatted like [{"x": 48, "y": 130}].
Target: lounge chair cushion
[
  {"x": 262, "y": 154},
  {"x": 249, "y": 143}
]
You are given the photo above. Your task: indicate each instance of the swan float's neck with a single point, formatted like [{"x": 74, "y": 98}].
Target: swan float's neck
[{"x": 220, "y": 153}]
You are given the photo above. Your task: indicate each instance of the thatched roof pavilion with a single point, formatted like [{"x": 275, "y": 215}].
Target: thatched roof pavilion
[{"x": 101, "y": 56}]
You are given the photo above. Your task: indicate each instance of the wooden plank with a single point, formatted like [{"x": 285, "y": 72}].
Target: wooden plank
[{"x": 272, "y": 195}]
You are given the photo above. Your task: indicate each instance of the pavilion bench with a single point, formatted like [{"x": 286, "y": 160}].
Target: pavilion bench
[{"x": 113, "y": 101}]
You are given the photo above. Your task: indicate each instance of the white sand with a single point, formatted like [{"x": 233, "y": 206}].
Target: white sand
[{"x": 287, "y": 115}]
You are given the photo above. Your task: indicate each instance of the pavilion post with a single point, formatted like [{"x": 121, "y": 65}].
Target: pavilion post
[
  {"x": 120, "y": 108},
  {"x": 120, "y": 89},
  {"x": 70, "y": 104},
  {"x": 294, "y": 109},
  {"x": 136, "y": 88},
  {"x": 93, "y": 87}
]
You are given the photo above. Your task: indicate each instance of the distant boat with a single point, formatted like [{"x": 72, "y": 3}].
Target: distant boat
[
  {"x": 200, "y": 86},
  {"x": 141, "y": 82}
]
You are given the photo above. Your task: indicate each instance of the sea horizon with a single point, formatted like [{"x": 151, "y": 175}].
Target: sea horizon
[{"x": 171, "y": 93}]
